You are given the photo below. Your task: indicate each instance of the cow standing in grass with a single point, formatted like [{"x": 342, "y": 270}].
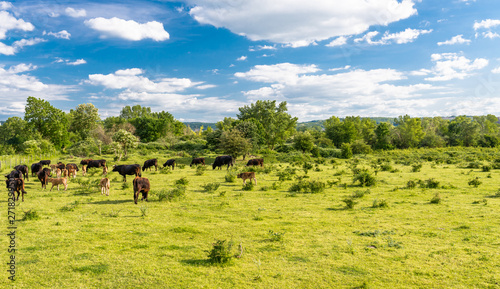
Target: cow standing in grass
[
  {"x": 141, "y": 185},
  {"x": 255, "y": 162},
  {"x": 197, "y": 161},
  {"x": 169, "y": 163},
  {"x": 45, "y": 162},
  {"x": 43, "y": 176},
  {"x": 35, "y": 168},
  {"x": 125, "y": 170},
  {"x": 17, "y": 185},
  {"x": 222, "y": 161},
  {"x": 104, "y": 184},
  {"x": 24, "y": 170},
  {"x": 247, "y": 176},
  {"x": 150, "y": 163}
]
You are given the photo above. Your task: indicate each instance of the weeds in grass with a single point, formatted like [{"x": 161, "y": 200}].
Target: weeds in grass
[
  {"x": 416, "y": 168},
  {"x": 144, "y": 211},
  {"x": 248, "y": 186},
  {"x": 429, "y": 184},
  {"x": 359, "y": 194},
  {"x": 436, "y": 199},
  {"x": 70, "y": 207},
  {"x": 349, "y": 202},
  {"x": 182, "y": 181},
  {"x": 210, "y": 187},
  {"x": 307, "y": 187},
  {"x": 364, "y": 178},
  {"x": 287, "y": 174},
  {"x": 475, "y": 182},
  {"x": 125, "y": 186},
  {"x": 114, "y": 214},
  {"x": 276, "y": 236},
  {"x": 222, "y": 194},
  {"x": 411, "y": 184},
  {"x": 200, "y": 170},
  {"x": 375, "y": 233},
  {"x": 391, "y": 243},
  {"x": 31, "y": 215},
  {"x": 221, "y": 252},
  {"x": 486, "y": 168},
  {"x": 230, "y": 177},
  {"x": 380, "y": 204},
  {"x": 306, "y": 167},
  {"x": 169, "y": 195}
]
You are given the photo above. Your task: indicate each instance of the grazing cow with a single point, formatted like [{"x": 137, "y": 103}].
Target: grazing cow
[
  {"x": 169, "y": 163},
  {"x": 85, "y": 162},
  {"x": 23, "y": 169},
  {"x": 35, "y": 168},
  {"x": 63, "y": 172},
  {"x": 17, "y": 184},
  {"x": 150, "y": 163},
  {"x": 104, "y": 184},
  {"x": 247, "y": 176},
  {"x": 57, "y": 182},
  {"x": 96, "y": 164},
  {"x": 45, "y": 162},
  {"x": 43, "y": 176},
  {"x": 141, "y": 185},
  {"x": 14, "y": 174},
  {"x": 61, "y": 166},
  {"x": 125, "y": 170},
  {"x": 255, "y": 162},
  {"x": 84, "y": 170},
  {"x": 71, "y": 172},
  {"x": 221, "y": 161},
  {"x": 197, "y": 161},
  {"x": 71, "y": 165}
]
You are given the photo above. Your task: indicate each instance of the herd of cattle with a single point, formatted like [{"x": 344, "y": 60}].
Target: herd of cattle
[{"x": 15, "y": 179}]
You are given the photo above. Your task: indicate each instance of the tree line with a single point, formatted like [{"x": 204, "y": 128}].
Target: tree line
[{"x": 263, "y": 125}]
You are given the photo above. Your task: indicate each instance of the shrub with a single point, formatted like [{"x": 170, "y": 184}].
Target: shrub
[
  {"x": 475, "y": 182},
  {"x": 429, "y": 184},
  {"x": 286, "y": 175},
  {"x": 359, "y": 194},
  {"x": 416, "y": 168},
  {"x": 306, "y": 187},
  {"x": 276, "y": 236},
  {"x": 200, "y": 170},
  {"x": 411, "y": 184},
  {"x": 436, "y": 199},
  {"x": 182, "y": 181},
  {"x": 176, "y": 193},
  {"x": 349, "y": 202},
  {"x": 230, "y": 177},
  {"x": 380, "y": 204},
  {"x": 385, "y": 167},
  {"x": 306, "y": 167},
  {"x": 248, "y": 186},
  {"x": 364, "y": 178},
  {"x": 346, "y": 151},
  {"x": 210, "y": 187},
  {"x": 31, "y": 215},
  {"x": 221, "y": 252},
  {"x": 486, "y": 168}
]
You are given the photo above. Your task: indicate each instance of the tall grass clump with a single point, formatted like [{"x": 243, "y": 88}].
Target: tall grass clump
[
  {"x": 221, "y": 252},
  {"x": 307, "y": 187},
  {"x": 364, "y": 178},
  {"x": 230, "y": 177},
  {"x": 182, "y": 181},
  {"x": 210, "y": 187},
  {"x": 31, "y": 215},
  {"x": 169, "y": 195},
  {"x": 475, "y": 182},
  {"x": 200, "y": 170}
]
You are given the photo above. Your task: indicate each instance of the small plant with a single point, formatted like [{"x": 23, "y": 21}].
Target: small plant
[
  {"x": 411, "y": 184},
  {"x": 248, "y": 186},
  {"x": 200, "y": 170},
  {"x": 306, "y": 167},
  {"x": 181, "y": 166},
  {"x": 436, "y": 199},
  {"x": 380, "y": 204},
  {"x": 222, "y": 194},
  {"x": 210, "y": 187},
  {"x": 182, "y": 181},
  {"x": 349, "y": 202},
  {"x": 144, "y": 211},
  {"x": 475, "y": 182},
  {"x": 307, "y": 187},
  {"x": 486, "y": 168},
  {"x": 416, "y": 168},
  {"x": 385, "y": 167},
  {"x": 286, "y": 175},
  {"x": 230, "y": 177},
  {"x": 364, "y": 178},
  {"x": 429, "y": 184},
  {"x": 70, "y": 207},
  {"x": 114, "y": 214},
  {"x": 359, "y": 194},
  {"x": 221, "y": 252},
  {"x": 391, "y": 243},
  {"x": 31, "y": 215},
  {"x": 276, "y": 236},
  {"x": 125, "y": 186}
]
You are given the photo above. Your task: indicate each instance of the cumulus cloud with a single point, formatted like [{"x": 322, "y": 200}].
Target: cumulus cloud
[
  {"x": 128, "y": 29},
  {"x": 299, "y": 23},
  {"x": 339, "y": 41},
  {"x": 9, "y": 22},
  {"x": 448, "y": 66},
  {"x": 282, "y": 72},
  {"x": 75, "y": 13},
  {"x": 5, "y": 5},
  {"x": 77, "y": 62},
  {"x": 486, "y": 24},
  {"x": 455, "y": 40},
  {"x": 17, "y": 45},
  {"x": 406, "y": 36},
  {"x": 242, "y": 58},
  {"x": 63, "y": 34}
]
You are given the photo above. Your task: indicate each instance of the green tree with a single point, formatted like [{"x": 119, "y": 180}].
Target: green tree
[
  {"x": 125, "y": 139},
  {"x": 303, "y": 141},
  {"x": 15, "y": 132},
  {"x": 408, "y": 132},
  {"x": 50, "y": 122},
  {"x": 274, "y": 124},
  {"x": 463, "y": 131},
  {"x": 84, "y": 119},
  {"x": 383, "y": 136},
  {"x": 348, "y": 130},
  {"x": 233, "y": 143},
  {"x": 135, "y": 111}
]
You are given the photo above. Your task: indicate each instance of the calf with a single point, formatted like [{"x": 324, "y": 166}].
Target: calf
[
  {"x": 141, "y": 185},
  {"x": 247, "y": 176},
  {"x": 57, "y": 182},
  {"x": 74, "y": 166},
  {"x": 45, "y": 162},
  {"x": 84, "y": 170},
  {"x": 150, "y": 163},
  {"x": 43, "y": 176},
  {"x": 71, "y": 172},
  {"x": 16, "y": 184},
  {"x": 23, "y": 169},
  {"x": 221, "y": 161},
  {"x": 104, "y": 184},
  {"x": 169, "y": 163},
  {"x": 255, "y": 162},
  {"x": 60, "y": 166},
  {"x": 35, "y": 168},
  {"x": 53, "y": 168},
  {"x": 104, "y": 171},
  {"x": 125, "y": 170},
  {"x": 62, "y": 172},
  {"x": 85, "y": 162},
  {"x": 197, "y": 161}
]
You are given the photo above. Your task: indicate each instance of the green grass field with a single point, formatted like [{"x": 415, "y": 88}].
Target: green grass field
[{"x": 394, "y": 236}]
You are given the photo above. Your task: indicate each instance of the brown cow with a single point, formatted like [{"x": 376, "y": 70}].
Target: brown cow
[
  {"x": 84, "y": 170},
  {"x": 63, "y": 172},
  {"x": 247, "y": 176},
  {"x": 255, "y": 162},
  {"x": 141, "y": 185},
  {"x": 71, "y": 172},
  {"x": 104, "y": 170},
  {"x": 59, "y": 181},
  {"x": 43, "y": 176},
  {"x": 17, "y": 185},
  {"x": 104, "y": 184}
]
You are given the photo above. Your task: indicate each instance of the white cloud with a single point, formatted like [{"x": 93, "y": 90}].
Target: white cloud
[
  {"x": 22, "y": 67},
  {"x": 299, "y": 23},
  {"x": 9, "y": 22},
  {"x": 448, "y": 66},
  {"x": 368, "y": 38},
  {"x": 75, "y": 13},
  {"x": 486, "y": 24},
  {"x": 77, "y": 62},
  {"x": 17, "y": 45},
  {"x": 128, "y": 29},
  {"x": 339, "y": 41},
  {"x": 282, "y": 72},
  {"x": 242, "y": 58},
  {"x": 63, "y": 34},
  {"x": 491, "y": 35},
  {"x": 455, "y": 40},
  {"x": 496, "y": 70},
  {"x": 5, "y": 5},
  {"x": 406, "y": 36}
]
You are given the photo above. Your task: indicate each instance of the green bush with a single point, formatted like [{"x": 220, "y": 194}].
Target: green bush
[
  {"x": 346, "y": 151},
  {"x": 436, "y": 199},
  {"x": 31, "y": 215},
  {"x": 210, "y": 187},
  {"x": 248, "y": 186},
  {"x": 230, "y": 177},
  {"x": 416, "y": 168},
  {"x": 176, "y": 193},
  {"x": 364, "y": 178},
  {"x": 182, "y": 181},
  {"x": 475, "y": 182},
  {"x": 380, "y": 204},
  {"x": 349, "y": 202},
  {"x": 307, "y": 187},
  {"x": 429, "y": 184},
  {"x": 221, "y": 252},
  {"x": 200, "y": 170}
]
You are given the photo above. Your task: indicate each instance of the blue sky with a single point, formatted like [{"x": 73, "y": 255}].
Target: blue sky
[{"x": 202, "y": 59}]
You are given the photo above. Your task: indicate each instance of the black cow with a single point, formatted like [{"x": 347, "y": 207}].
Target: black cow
[
  {"x": 96, "y": 164},
  {"x": 150, "y": 163},
  {"x": 16, "y": 184},
  {"x": 85, "y": 162},
  {"x": 141, "y": 185},
  {"x": 221, "y": 161},
  {"x": 125, "y": 170},
  {"x": 43, "y": 176},
  {"x": 35, "y": 168},
  {"x": 45, "y": 162},
  {"x": 197, "y": 161},
  {"x": 60, "y": 166},
  {"x": 169, "y": 163},
  {"x": 14, "y": 174},
  {"x": 23, "y": 169},
  {"x": 255, "y": 162}
]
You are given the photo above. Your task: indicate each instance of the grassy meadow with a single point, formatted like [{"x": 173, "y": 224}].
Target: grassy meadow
[{"x": 430, "y": 220}]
